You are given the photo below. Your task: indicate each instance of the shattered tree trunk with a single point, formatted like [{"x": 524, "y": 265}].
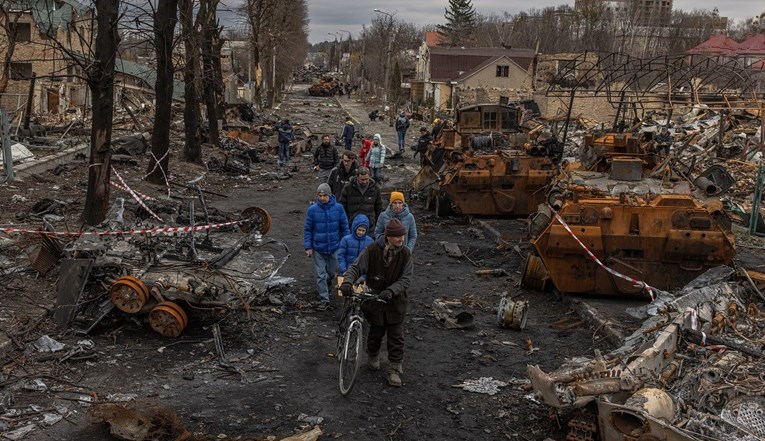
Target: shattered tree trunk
[
  {"x": 165, "y": 19},
  {"x": 209, "y": 77},
  {"x": 192, "y": 151},
  {"x": 257, "y": 11},
  {"x": 101, "y": 83}
]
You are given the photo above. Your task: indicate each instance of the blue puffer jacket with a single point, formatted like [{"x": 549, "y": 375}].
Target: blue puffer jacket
[
  {"x": 352, "y": 245},
  {"x": 325, "y": 225},
  {"x": 406, "y": 218}
]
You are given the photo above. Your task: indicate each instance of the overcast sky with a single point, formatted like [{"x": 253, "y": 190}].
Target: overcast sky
[{"x": 334, "y": 15}]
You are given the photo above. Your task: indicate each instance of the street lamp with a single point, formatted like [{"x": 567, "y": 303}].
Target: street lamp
[
  {"x": 350, "y": 53},
  {"x": 335, "y": 46},
  {"x": 390, "y": 49}
]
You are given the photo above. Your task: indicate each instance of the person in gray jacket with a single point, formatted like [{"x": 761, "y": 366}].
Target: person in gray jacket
[{"x": 398, "y": 210}]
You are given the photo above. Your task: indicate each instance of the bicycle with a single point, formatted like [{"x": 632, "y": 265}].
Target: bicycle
[{"x": 351, "y": 336}]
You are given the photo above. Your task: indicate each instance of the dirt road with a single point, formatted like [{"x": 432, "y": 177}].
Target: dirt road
[{"x": 280, "y": 359}]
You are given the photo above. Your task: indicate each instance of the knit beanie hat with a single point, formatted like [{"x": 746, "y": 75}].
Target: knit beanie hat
[
  {"x": 324, "y": 188},
  {"x": 395, "y": 228},
  {"x": 396, "y": 196}
]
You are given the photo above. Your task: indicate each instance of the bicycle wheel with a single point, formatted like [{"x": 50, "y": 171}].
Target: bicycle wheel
[{"x": 351, "y": 356}]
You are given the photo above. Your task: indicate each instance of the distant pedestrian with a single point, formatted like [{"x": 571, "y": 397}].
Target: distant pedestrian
[
  {"x": 325, "y": 158},
  {"x": 366, "y": 146},
  {"x": 325, "y": 225},
  {"x": 349, "y": 131},
  {"x": 398, "y": 210},
  {"x": 376, "y": 158},
  {"x": 402, "y": 125},
  {"x": 422, "y": 144},
  {"x": 353, "y": 244},
  {"x": 343, "y": 173},
  {"x": 286, "y": 136},
  {"x": 361, "y": 196}
]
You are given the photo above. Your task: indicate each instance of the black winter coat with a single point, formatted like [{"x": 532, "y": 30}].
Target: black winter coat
[
  {"x": 326, "y": 156},
  {"x": 369, "y": 202},
  {"x": 339, "y": 177}
]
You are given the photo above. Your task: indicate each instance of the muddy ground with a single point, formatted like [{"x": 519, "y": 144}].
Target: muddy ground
[{"x": 280, "y": 358}]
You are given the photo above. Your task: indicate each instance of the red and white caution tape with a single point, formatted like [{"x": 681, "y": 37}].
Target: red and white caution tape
[
  {"x": 143, "y": 196},
  {"x": 636, "y": 283},
  {"x": 136, "y": 197},
  {"x": 166, "y": 230}
]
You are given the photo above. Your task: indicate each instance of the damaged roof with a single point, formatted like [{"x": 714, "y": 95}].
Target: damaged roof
[
  {"x": 449, "y": 63},
  {"x": 49, "y": 15},
  {"x": 147, "y": 74}
]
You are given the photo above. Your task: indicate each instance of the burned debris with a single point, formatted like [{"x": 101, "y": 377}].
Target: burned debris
[{"x": 692, "y": 371}]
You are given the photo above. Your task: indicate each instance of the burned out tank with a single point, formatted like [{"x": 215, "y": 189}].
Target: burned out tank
[
  {"x": 483, "y": 164},
  {"x": 635, "y": 217}
]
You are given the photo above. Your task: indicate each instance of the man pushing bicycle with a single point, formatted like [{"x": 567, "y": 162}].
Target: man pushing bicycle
[{"x": 387, "y": 264}]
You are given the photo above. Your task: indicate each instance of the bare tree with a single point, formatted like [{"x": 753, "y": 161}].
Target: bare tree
[
  {"x": 192, "y": 151},
  {"x": 100, "y": 78},
  {"x": 10, "y": 29},
  {"x": 212, "y": 83},
  {"x": 165, "y": 19}
]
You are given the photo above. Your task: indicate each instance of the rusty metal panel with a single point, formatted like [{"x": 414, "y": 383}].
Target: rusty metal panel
[{"x": 627, "y": 169}]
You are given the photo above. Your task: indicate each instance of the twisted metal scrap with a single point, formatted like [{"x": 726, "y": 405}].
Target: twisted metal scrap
[{"x": 619, "y": 76}]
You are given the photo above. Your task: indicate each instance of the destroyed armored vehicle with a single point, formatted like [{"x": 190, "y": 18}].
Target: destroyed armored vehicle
[
  {"x": 327, "y": 86},
  {"x": 484, "y": 165},
  {"x": 627, "y": 210}
]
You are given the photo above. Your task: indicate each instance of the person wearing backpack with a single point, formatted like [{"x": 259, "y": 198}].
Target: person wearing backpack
[{"x": 402, "y": 125}]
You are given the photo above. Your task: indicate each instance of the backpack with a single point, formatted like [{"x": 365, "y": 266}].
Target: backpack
[{"x": 401, "y": 123}]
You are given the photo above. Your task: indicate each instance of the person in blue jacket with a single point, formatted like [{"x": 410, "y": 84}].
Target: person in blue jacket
[
  {"x": 286, "y": 136},
  {"x": 353, "y": 244},
  {"x": 325, "y": 225}
]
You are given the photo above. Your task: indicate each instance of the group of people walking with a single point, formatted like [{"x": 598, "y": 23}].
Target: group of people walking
[{"x": 347, "y": 231}]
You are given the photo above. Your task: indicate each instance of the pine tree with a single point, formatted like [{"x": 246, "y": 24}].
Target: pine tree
[{"x": 460, "y": 22}]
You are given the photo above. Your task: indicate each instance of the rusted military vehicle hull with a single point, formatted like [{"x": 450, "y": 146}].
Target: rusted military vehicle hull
[
  {"x": 663, "y": 240},
  {"x": 496, "y": 185}
]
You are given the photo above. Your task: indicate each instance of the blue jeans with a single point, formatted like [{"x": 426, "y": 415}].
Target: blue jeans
[
  {"x": 325, "y": 269},
  {"x": 377, "y": 175},
  {"x": 401, "y": 140},
  {"x": 284, "y": 153},
  {"x": 348, "y": 143}
]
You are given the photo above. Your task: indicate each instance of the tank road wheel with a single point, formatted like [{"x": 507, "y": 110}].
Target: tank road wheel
[
  {"x": 168, "y": 319},
  {"x": 259, "y": 220},
  {"x": 129, "y": 294},
  {"x": 535, "y": 273}
]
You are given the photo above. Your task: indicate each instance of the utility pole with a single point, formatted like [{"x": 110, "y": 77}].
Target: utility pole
[
  {"x": 363, "y": 57},
  {"x": 386, "y": 86}
]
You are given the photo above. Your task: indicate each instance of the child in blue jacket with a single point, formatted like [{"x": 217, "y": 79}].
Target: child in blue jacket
[{"x": 353, "y": 244}]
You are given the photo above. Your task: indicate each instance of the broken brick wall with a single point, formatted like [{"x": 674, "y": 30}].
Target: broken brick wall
[{"x": 36, "y": 52}]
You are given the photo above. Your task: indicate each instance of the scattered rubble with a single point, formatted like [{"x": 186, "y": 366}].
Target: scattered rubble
[{"x": 690, "y": 372}]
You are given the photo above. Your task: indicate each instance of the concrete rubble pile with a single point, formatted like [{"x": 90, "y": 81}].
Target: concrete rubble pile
[{"x": 693, "y": 371}]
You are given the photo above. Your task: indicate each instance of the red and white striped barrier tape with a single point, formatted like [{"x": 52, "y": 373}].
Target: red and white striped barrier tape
[
  {"x": 636, "y": 283},
  {"x": 165, "y": 230},
  {"x": 143, "y": 196},
  {"x": 136, "y": 197}
]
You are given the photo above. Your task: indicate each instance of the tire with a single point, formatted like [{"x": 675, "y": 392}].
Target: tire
[{"x": 350, "y": 358}]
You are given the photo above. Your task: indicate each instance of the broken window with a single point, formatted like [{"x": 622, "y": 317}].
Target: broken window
[
  {"x": 503, "y": 71},
  {"x": 23, "y": 32},
  {"x": 21, "y": 71}
]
